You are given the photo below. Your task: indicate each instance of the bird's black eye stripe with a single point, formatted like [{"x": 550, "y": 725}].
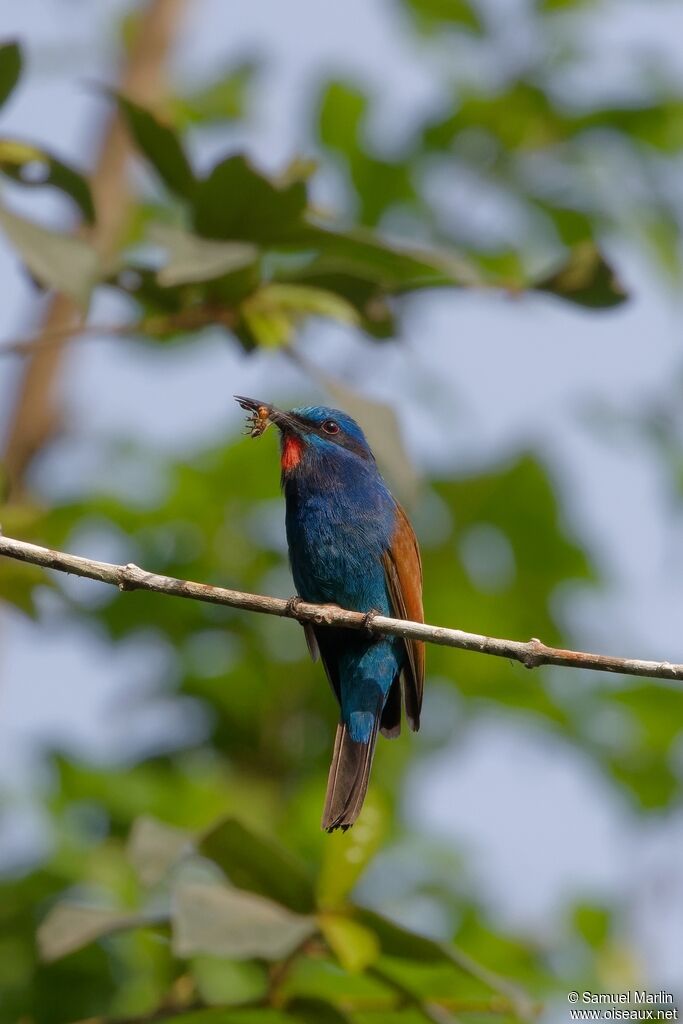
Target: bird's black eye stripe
[{"x": 331, "y": 427}]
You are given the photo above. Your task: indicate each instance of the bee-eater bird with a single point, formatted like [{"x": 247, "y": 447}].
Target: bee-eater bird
[{"x": 350, "y": 544}]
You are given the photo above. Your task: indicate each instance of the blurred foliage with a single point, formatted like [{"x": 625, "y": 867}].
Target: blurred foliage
[
  {"x": 196, "y": 885},
  {"x": 10, "y": 69}
]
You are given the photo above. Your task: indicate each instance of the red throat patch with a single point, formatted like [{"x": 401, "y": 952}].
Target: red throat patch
[{"x": 292, "y": 450}]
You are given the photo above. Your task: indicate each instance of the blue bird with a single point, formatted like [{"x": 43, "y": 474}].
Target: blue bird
[{"x": 350, "y": 544}]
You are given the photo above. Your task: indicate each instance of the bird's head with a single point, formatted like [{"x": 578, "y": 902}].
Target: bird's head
[{"x": 313, "y": 430}]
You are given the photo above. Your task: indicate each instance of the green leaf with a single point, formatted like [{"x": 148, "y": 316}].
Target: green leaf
[
  {"x": 521, "y": 116},
  {"x": 183, "y": 797},
  {"x": 225, "y": 99},
  {"x": 374, "y": 313},
  {"x": 593, "y": 923},
  {"x": 299, "y": 169},
  {"x": 586, "y": 278},
  {"x": 272, "y": 313},
  {"x": 237, "y": 201},
  {"x": 160, "y": 145},
  {"x": 304, "y": 300},
  {"x": 433, "y": 14},
  {"x": 10, "y": 69},
  {"x": 649, "y": 778},
  {"x": 36, "y": 168},
  {"x": 218, "y": 980},
  {"x": 394, "y": 268},
  {"x": 378, "y": 183},
  {"x": 399, "y": 942},
  {"x": 18, "y": 584},
  {"x": 315, "y": 1011},
  {"x": 572, "y": 226},
  {"x": 342, "y": 110},
  {"x": 70, "y": 926},
  {"x": 154, "y": 847},
  {"x": 645, "y": 759},
  {"x": 265, "y": 327},
  {"x": 658, "y": 125},
  {"x": 192, "y": 258},
  {"x": 20, "y": 580},
  {"x": 514, "y": 505},
  {"x": 320, "y": 978},
  {"x": 257, "y": 864},
  {"x": 58, "y": 261},
  {"x": 660, "y": 233},
  {"x": 228, "y": 922},
  {"x": 347, "y": 854},
  {"x": 222, "y": 1015},
  {"x": 547, "y": 6},
  {"x": 354, "y": 945}
]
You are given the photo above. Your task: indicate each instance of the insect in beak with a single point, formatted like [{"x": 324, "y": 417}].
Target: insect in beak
[
  {"x": 261, "y": 415},
  {"x": 259, "y": 418}
]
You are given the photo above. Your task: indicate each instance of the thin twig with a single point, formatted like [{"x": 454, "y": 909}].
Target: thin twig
[
  {"x": 25, "y": 346},
  {"x": 281, "y": 971},
  {"x": 493, "y": 1007},
  {"x": 431, "y": 1011},
  {"x": 396, "y": 1000},
  {"x": 512, "y": 995},
  {"x": 184, "y": 320},
  {"x": 531, "y": 654}
]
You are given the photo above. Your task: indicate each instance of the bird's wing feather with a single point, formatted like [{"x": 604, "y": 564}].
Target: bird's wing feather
[
  {"x": 311, "y": 641},
  {"x": 326, "y": 645},
  {"x": 403, "y": 570}
]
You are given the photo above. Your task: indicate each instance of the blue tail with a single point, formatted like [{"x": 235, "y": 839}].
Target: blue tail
[
  {"x": 366, "y": 673},
  {"x": 348, "y": 779}
]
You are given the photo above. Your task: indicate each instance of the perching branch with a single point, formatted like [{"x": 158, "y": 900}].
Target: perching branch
[{"x": 531, "y": 654}]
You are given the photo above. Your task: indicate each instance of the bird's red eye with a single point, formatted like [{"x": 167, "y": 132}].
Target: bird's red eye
[{"x": 331, "y": 427}]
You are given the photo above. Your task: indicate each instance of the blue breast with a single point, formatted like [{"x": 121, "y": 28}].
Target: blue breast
[{"x": 340, "y": 519}]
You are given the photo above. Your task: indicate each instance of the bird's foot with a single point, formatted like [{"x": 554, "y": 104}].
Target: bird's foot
[
  {"x": 369, "y": 619},
  {"x": 292, "y": 606}
]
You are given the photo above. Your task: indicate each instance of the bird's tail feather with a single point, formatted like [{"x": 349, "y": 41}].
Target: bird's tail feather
[{"x": 348, "y": 779}]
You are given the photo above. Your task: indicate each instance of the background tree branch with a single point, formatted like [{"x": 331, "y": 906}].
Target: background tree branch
[
  {"x": 36, "y": 417},
  {"x": 531, "y": 654}
]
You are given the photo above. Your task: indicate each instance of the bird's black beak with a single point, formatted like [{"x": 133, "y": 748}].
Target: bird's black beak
[{"x": 262, "y": 414}]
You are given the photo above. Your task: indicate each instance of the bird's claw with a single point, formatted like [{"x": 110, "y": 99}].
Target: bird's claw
[
  {"x": 369, "y": 619},
  {"x": 292, "y": 606}
]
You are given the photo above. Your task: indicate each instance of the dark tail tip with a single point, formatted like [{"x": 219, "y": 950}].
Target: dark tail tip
[{"x": 347, "y": 783}]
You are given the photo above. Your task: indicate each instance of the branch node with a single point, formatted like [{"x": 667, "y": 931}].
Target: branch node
[
  {"x": 128, "y": 576},
  {"x": 326, "y": 615},
  {"x": 532, "y": 657}
]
